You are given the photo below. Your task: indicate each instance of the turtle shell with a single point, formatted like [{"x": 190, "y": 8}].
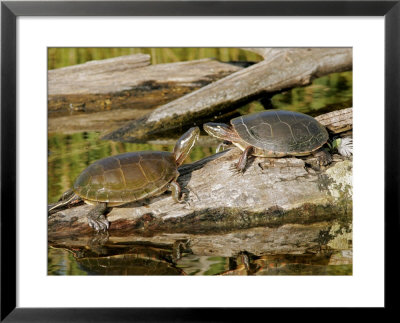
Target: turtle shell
[
  {"x": 281, "y": 132},
  {"x": 127, "y": 177}
]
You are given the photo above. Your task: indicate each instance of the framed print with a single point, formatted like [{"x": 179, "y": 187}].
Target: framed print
[{"x": 112, "y": 113}]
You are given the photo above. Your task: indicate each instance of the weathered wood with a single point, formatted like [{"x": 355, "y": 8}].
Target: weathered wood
[
  {"x": 264, "y": 52},
  {"x": 278, "y": 205},
  {"x": 126, "y": 82},
  {"x": 271, "y": 194},
  {"x": 337, "y": 121},
  {"x": 292, "y": 208},
  {"x": 282, "y": 68},
  {"x": 97, "y": 121},
  {"x": 88, "y": 77}
]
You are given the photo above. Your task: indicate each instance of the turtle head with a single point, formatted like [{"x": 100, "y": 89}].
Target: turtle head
[
  {"x": 219, "y": 130},
  {"x": 185, "y": 144}
]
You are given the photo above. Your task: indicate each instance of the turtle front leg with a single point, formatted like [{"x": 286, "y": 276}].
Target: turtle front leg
[
  {"x": 96, "y": 218},
  {"x": 241, "y": 164},
  {"x": 176, "y": 192}
]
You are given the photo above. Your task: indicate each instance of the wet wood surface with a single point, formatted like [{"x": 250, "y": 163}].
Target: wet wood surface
[{"x": 282, "y": 68}]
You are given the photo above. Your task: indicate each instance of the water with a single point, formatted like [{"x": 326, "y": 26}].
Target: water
[
  {"x": 69, "y": 154},
  {"x": 61, "y": 57},
  {"x": 63, "y": 262}
]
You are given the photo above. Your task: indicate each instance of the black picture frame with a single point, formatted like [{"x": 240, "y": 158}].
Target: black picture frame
[{"x": 10, "y": 10}]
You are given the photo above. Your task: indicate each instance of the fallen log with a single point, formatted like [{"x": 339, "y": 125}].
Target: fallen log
[
  {"x": 282, "y": 68},
  {"x": 278, "y": 205},
  {"x": 337, "y": 121},
  {"x": 127, "y": 82},
  {"x": 280, "y": 208},
  {"x": 102, "y": 121},
  {"x": 270, "y": 193}
]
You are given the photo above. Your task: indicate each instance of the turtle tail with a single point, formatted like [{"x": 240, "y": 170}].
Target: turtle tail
[{"x": 67, "y": 198}]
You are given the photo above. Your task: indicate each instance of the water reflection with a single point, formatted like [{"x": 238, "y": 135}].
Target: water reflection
[
  {"x": 152, "y": 259},
  {"x": 325, "y": 94}
]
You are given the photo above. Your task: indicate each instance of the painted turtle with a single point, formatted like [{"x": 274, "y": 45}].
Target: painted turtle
[
  {"x": 129, "y": 177},
  {"x": 273, "y": 133}
]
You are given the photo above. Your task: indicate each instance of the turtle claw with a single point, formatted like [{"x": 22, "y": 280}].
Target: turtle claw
[
  {"x": 99, "y": 224},
  {"x": 96, "y": 219},
  {"x": 235, "y": 170},
  {"x": 188, "y": 205},
  {"x": 184, "y": 200},
  {"x": 323, "y": 157}
]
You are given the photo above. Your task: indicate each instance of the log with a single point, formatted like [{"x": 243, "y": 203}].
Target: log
[
  {"x": 280, "y": 205},
  {"x": 79, "y": 78},
  {"x": 282, "y": 68},
  {"x": 280, "y": 208},
  {"x": 269, "y": 193},
  {"x": 96, "y": 121},
  {"x": 126, "y": 82},
  {"x": 337, "y": 121}
]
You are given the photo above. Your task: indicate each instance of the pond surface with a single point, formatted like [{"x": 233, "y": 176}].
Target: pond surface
[
  {"x": 64, "y": 262},
  {"x": 69, "y": 154},
  {"x": 61, "y": 57}
]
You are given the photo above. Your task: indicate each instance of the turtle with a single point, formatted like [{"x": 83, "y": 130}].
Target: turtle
[
  {"x": 273, "y": 133},
  {"x": 129, "y": 177}
]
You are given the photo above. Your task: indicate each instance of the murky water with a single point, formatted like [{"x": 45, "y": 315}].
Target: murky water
[{"x": 69, "y": 154}]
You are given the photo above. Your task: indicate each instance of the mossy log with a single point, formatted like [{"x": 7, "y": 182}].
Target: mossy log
[
  {"x": 127, "y": 82},
  {"x": 282, "y": 68}
]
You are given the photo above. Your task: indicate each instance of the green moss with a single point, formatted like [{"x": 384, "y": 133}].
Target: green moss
[{"x": 341, "y": 236}]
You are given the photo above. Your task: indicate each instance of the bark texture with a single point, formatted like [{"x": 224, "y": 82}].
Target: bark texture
[
  {"x": 282, "y": 68},
  {"x": 278, "y": 206},
  {"x": 127, "y": 82}
]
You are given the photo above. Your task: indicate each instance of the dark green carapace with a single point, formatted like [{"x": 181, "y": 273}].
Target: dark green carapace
[{"x": 272, "y": 133}]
